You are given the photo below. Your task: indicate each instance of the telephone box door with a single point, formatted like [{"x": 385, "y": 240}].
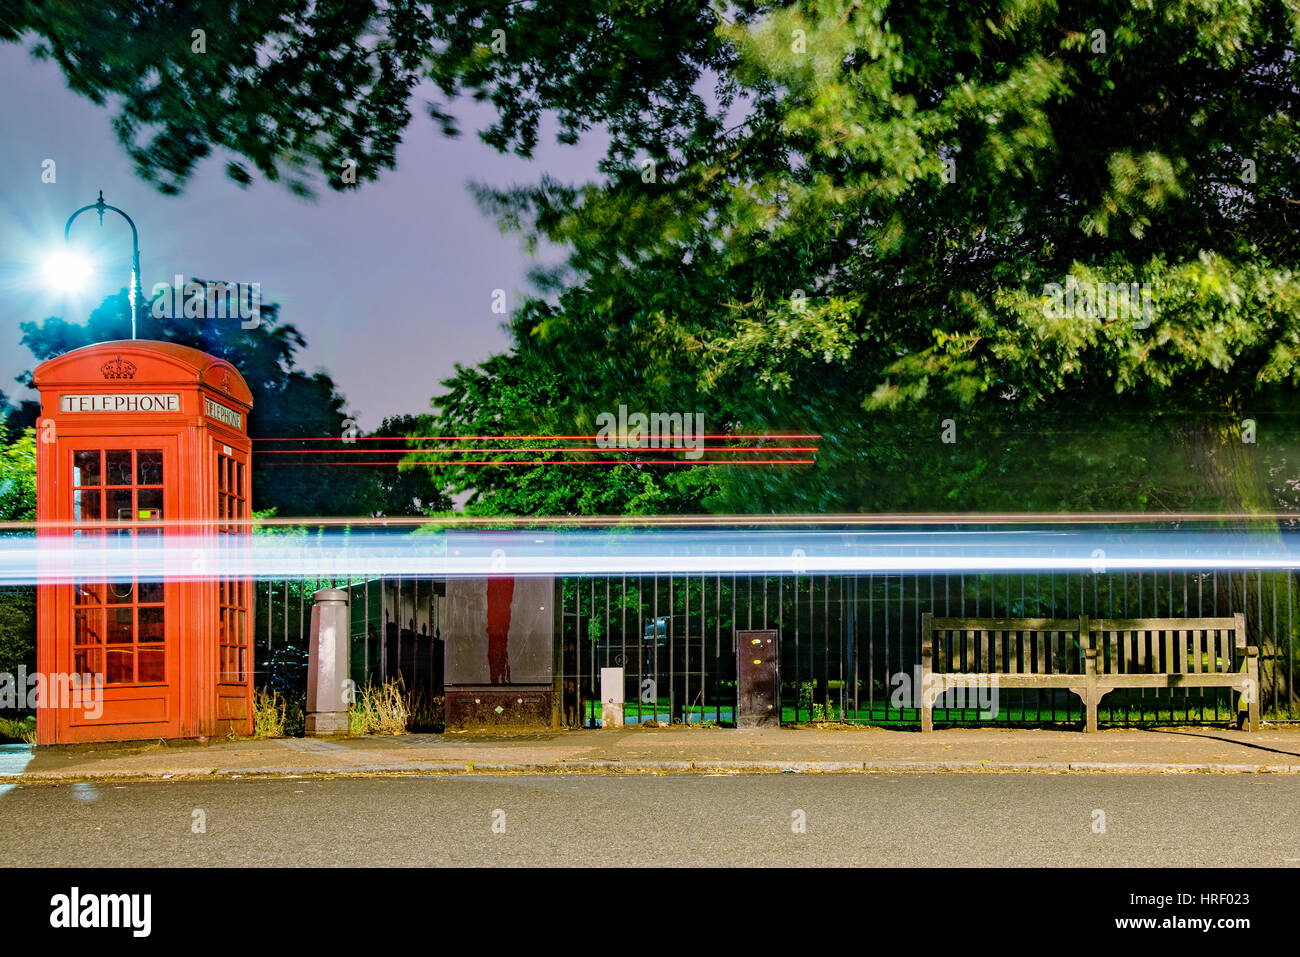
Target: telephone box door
[{"x": 117, "y": 493}]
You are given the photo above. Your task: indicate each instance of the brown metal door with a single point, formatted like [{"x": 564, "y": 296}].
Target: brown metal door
[{"x": 758, "y": 700}]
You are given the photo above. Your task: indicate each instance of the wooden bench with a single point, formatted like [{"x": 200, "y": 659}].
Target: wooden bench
[{"x": 1088, "y": 656}]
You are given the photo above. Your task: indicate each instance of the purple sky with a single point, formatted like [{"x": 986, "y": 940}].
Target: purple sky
[{"x": 390, "y": 285}]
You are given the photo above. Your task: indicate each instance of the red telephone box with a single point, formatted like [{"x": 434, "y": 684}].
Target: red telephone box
[{"x": 140, "y": 440}]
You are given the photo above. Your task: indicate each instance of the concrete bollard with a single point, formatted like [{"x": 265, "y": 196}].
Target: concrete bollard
[
  {"x": 611, "y": 697},
  {"x": 327, "y": 664}
]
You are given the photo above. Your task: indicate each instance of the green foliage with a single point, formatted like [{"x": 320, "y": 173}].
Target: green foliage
[
  {"x": 533, "y": 391},
  {"x": 17, "y": 628},
  {"x": 863, "y": 217},
  {"x": 18, "y": 730},
  {"x": 18, "y": 478},
  {"x": 18, "y": 504},
  {"x": 919, "y": 173}
]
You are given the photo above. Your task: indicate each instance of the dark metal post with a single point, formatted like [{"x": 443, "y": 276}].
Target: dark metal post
[{"x": 136, "y": 293}]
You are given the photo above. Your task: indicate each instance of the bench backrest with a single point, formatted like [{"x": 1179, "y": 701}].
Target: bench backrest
[
  {"x": 1059, "y": 646},
  {"x": 1029, "y": 646},
  {"x": 1168, "y": 645}
]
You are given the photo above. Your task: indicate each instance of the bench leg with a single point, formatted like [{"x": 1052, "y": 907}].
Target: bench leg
[
  {"x": 924, "y": 695},
  {"x": 1089, "y": 697},
  {"x": 1248, "y": 701},
  {"x": 1248, "y": 711}
]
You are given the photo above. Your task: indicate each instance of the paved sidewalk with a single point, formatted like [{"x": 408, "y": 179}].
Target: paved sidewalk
[{"x": 653, "y": 750}]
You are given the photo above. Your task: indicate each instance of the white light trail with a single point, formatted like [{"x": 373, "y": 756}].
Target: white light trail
[{"x": 335, "y": 553}]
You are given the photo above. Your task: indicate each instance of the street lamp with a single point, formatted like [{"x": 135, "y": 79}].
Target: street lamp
[{"x": 72, "y": 270}]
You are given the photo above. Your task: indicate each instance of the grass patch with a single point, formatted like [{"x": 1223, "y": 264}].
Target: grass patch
[
  {"x": 274, "y": 715},
  {"x": 380, "y": 709},
  {"x": 18, "y": 730}
]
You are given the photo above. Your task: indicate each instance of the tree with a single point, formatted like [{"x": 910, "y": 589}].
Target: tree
[
  {"x": 309, "y": 91},
  {"x": 18, "y": 478},
  {"x": 881, "y": 188},
  {"x": 288, "y": 403},
  {"x": 18, "y": 504},
  {"x": 18, "y": 418},
  {"x": 938, "y": 207},
  {"x": 529, "y": 392}
]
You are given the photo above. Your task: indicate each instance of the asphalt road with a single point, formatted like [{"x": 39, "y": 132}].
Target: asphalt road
[{"x": 675, "y": 819}]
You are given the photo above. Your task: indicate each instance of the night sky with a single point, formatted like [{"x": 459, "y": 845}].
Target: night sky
[{"x": 390, "y": 284}]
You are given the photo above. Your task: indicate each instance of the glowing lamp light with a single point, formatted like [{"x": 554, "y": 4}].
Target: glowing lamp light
[{"x": 67, "y": 271}]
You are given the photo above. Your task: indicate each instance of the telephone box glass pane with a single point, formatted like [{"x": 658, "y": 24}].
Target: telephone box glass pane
[
  {"x": 119, "y": 505},
  {"x": 85, "y": 505},
  {"x": 151, "y": 624},
  {"x": 151, "y": 665},
  {"x": 89, "y": 628},
  {"x": 149, "y": 504},
  {"x": 85, "y": 467},
  {"x": 120, "y": 662},
  {"x": 87, "y": 660},
  {"x": 121, "y": 630},
  {"x": 150, "y": 592},
  {"x": 149, "y": 467},
  {"x": 118, "y": 467},
  {"x": 121, "y": 593}
]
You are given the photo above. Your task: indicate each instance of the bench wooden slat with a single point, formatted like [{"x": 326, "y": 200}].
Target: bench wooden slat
[
  {"x": 1131, "y": 624},
  {"x": 1028, "y": 624},
  {"x": 1231, "y": 680}
]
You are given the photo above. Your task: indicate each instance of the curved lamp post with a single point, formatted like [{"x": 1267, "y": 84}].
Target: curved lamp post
[{"x": 101, "y": 207}]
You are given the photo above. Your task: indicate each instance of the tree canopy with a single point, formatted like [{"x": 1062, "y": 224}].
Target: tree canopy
[
  {"x": 1067, "y": 227},
  {"x": 914, "y": 184},
  {"x": 297, "y": 90}
]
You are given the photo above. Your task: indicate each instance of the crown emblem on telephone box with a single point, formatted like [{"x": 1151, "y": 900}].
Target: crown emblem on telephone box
[{"x": 118, "y": 368}]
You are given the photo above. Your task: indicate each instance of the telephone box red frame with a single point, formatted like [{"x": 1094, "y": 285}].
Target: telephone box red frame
[{"x": 176, "y": 656}]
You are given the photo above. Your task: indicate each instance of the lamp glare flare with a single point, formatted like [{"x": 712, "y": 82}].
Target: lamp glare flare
[{"x": 67, "y": 270}]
